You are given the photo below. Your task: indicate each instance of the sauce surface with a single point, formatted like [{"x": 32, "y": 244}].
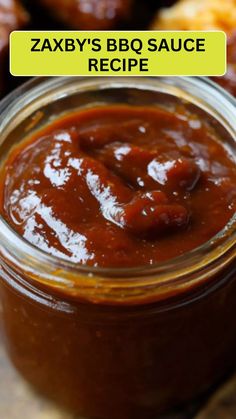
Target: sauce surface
[{"x": 120, "y": 186}]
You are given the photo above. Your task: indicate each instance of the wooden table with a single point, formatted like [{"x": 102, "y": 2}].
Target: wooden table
[{"x": 18, "y": 401}]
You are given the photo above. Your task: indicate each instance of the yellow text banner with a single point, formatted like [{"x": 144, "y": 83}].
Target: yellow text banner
[{"x": 134, "y": 53}]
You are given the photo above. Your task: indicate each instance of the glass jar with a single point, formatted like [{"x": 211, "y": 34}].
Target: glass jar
[{"x": 124, "y": 343}]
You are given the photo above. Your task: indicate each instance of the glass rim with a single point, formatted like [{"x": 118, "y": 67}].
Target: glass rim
[{"x": 65, "y": 274}]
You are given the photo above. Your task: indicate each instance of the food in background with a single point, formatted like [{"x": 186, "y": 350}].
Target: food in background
[
  {"x": 198, "y": 15},
  {"x": 12, "y": 17},
  {"x": 90, "y": 14},
  {"x": 229, "y": 80},
  {"x": 205, "y": 15}
]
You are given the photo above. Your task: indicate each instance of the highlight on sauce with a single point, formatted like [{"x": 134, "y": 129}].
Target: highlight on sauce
[{"x": 120, "y": 186}]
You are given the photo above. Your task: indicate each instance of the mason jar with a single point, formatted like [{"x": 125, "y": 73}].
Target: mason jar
[{"x": 118, "y": 343}]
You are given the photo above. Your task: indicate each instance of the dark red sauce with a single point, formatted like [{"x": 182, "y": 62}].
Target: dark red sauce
[{"x": 120, "y": 186}]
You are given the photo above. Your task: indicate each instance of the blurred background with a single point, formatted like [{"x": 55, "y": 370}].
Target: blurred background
[
  {"x": 107, "y": 15},
  {"x": 118, "y": 15}
]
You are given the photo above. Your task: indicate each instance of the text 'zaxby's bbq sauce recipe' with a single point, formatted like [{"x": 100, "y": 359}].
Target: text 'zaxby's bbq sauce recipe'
[{"x": 120, "y": 186}]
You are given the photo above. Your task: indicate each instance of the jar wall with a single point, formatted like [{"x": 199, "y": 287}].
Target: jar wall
[{"x": 119, "y": 362}]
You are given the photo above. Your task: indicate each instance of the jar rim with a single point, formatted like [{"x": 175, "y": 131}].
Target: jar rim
[{"x": 120, "y": 284}]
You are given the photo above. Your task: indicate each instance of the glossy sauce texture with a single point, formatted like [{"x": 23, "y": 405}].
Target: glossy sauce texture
[{"x": 120, "y": 186}]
